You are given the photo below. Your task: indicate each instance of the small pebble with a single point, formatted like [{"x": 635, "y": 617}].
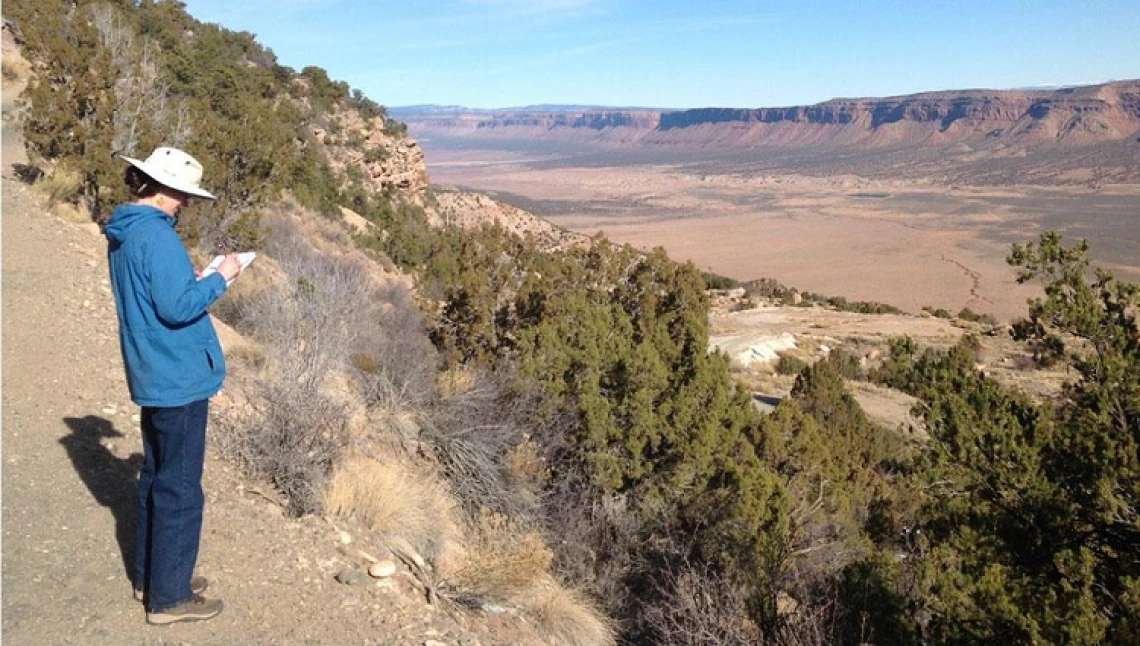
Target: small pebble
[{"x": 382, "y": 569}]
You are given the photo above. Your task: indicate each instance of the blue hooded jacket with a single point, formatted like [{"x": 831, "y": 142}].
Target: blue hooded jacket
[{"x": 170, "y": 349}]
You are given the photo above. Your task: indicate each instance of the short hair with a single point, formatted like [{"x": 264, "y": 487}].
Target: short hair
[{"x": 140, "y": 184}]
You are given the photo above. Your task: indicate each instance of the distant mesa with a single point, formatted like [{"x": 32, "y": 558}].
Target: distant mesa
[{"x": 1070, "y": 116}]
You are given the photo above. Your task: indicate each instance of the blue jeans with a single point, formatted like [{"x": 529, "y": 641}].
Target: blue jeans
[{"x": 170, "y": 502}]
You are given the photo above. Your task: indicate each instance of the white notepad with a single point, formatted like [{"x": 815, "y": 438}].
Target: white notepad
[{"x": 245, "y": 258}]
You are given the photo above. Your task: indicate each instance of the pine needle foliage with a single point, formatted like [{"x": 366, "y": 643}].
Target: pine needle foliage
[{"x": 119, "y": 78}]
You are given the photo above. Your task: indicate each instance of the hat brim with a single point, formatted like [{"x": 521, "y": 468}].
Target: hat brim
[{"x": 168, "y": 180}]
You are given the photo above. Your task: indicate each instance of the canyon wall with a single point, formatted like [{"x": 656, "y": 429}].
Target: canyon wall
[{"x": 1071, "y": 116}]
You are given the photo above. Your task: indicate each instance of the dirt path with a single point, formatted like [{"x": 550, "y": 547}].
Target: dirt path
[{"x": 70, "y": 453}]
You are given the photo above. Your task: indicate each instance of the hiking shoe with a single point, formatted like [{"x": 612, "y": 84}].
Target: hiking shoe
[
  {"x": 197, "y": 608},
  {"x": 198, "y": 585}
]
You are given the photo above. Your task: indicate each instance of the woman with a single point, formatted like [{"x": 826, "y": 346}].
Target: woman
[{"x": 174, "y": 364}]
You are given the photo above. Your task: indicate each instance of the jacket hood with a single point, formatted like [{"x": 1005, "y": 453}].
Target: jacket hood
[{"x": 127, "y": 218}]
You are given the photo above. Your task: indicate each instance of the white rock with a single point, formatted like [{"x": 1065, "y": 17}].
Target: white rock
[
  {"x": 382, "y": 569},
  {"x": 345, "y": 538},
  {"x": 748, "y": 349}
]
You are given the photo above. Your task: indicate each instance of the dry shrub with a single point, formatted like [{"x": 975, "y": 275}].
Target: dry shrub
[
  {"x": 368, "y": 323},
  {"x": 695, "y": 606},
  {"x": 566, "y": 617},
  {"x": 290, "y": 436},
  {"x": 296, "y": 428},
  {"x": 63, "y": 186},
  {"x": 502, "y": 560},
  {"x": 394, "y": 499},
  {"x": 596, "y": 533},
  {"x": 474, "y": 435},
  {"x": 401, "y": 367},
  {"x": 312, "y": 312}
]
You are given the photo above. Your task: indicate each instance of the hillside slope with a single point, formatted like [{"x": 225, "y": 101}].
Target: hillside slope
[{"x": 71, "y": 454}]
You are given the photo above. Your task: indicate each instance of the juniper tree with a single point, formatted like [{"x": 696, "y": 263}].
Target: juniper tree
[{"x": 1033, "y": 533}]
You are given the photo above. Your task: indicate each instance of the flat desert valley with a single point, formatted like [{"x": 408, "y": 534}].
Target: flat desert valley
[{"x": 910, "y": 242}]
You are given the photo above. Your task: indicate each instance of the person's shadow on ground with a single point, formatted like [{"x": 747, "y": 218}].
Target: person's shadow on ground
[{"x": 112, "y": 480}]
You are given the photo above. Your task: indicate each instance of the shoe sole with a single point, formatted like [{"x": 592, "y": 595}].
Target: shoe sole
[{"x": 159, "y": 619}]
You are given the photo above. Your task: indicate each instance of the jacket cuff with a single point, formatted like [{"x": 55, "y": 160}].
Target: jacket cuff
[{"x": 217, "y": 284}]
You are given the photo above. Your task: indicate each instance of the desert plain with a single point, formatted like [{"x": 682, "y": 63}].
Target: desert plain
[{"x": 910, "y": 242}]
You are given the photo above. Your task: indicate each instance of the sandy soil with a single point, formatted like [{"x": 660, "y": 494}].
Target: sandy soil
[{"x": 908, "y": 243}]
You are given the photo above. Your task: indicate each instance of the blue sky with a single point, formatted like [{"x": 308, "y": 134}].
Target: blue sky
[{"x": 688, "y": 53}]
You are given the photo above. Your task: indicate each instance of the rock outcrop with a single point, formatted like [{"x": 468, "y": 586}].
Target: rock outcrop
[
  {"x": 388, "y": 163},
  {"x": 473, "y": 210}
]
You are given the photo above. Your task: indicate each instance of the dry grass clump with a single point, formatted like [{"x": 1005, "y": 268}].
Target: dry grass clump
[
  {"x": 456, "y": 380},
  {"x": 526, "y": 463},
  {"x": 62, "y": 185},
  {"x": 72, "y": 213},
  {"x": 502, "y": 560},
  {"x": 566, "y": 617},
  {"x": 398, "y": 501},
  {"x": 250, "y": 354}
]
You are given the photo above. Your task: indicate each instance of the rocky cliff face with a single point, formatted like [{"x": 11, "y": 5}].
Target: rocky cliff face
[
  {"x": 1072, "y": 116},
  {"x": 1083, "y": 115},
  {"x": 392, "y": 164}
]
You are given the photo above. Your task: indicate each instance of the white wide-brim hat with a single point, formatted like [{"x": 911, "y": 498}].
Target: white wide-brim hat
[{"x": 175, "y": 169}]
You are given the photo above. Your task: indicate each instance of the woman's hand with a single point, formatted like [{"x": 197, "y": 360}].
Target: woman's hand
[{"x": 230, "y": 267}]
